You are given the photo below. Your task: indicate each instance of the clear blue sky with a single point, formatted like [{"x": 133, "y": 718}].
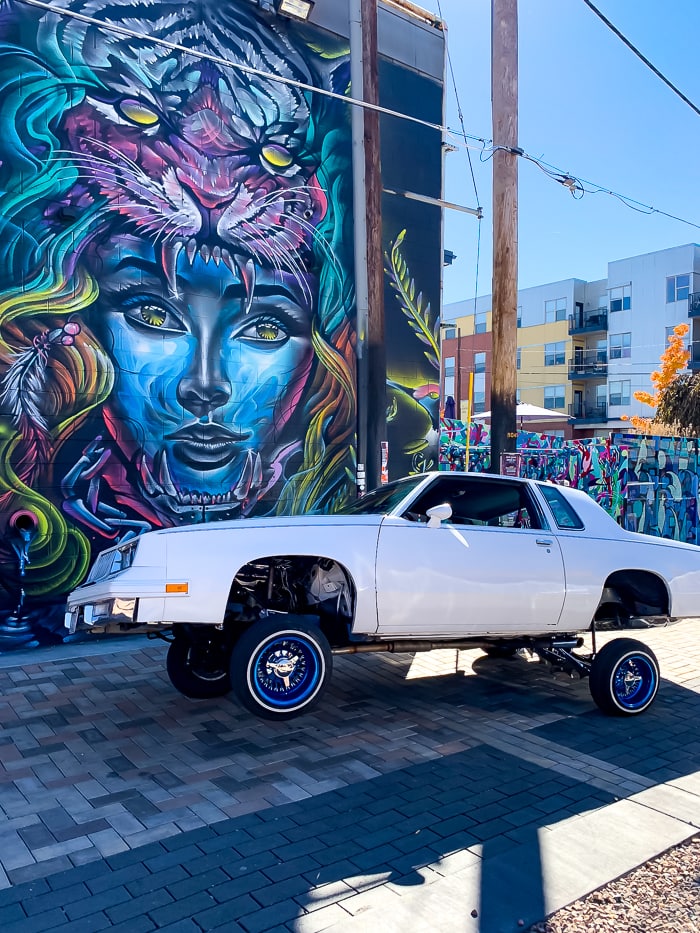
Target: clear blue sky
[{"x": 589, "y": 106}]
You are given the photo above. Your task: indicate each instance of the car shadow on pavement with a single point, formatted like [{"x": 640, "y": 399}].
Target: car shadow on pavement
[
  {"x": 524, "y": 785},
  {"x": 447, "y": 771},
  {"x": 507, "y": 801}
]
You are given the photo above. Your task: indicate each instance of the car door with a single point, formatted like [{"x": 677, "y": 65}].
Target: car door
[{"x": 494, "y": 568}]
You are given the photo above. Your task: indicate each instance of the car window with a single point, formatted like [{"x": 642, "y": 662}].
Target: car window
[
  {"x": 564, "y": 514},
  {"x": 382, "y": 500},
  {"x": 480, "y": 501}
]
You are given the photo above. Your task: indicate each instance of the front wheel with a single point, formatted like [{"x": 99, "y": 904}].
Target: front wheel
[
  {"x": 280, "y": 668},
  {"x": 198, "y": 668},
  {"x": 624, "y": 677}
]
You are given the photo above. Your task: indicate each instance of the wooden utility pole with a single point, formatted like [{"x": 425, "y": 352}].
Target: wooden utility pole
[
  {"x": 374, "y": 344},
  {"x": 504, "y": 103}
]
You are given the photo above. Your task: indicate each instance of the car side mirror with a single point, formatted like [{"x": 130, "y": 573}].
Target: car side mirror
[{"x": 439, "y": 514}]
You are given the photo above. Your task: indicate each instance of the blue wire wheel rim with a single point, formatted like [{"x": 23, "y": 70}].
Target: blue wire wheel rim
[
  {"x": 286, "y": 671},
  {"x": 634, "y": 682}
]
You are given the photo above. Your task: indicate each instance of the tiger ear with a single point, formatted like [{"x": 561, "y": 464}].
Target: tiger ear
[
  {"x": 332, "y": 60},
  {"x": 340, "y": 78}
]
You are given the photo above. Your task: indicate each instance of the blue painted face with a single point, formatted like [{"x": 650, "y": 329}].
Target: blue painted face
[{"x": 208, "y": 371}]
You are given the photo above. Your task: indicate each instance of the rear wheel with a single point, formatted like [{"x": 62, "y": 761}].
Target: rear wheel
[
  {"x": 624, "y": 677},
  {"x": 280, "y": 668},
  {"x": 199, "y": 668}
]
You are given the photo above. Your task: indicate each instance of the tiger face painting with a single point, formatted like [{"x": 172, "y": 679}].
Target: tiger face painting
[
  {"x": 176, "y": 286},
  {"x": 201, "y": 159}
]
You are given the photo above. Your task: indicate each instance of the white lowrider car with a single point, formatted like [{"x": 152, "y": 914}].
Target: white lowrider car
[{"x": 464, "y": 560}]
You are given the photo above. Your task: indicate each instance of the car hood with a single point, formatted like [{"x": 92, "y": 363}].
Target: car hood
[{"x": 287, "y": 521}]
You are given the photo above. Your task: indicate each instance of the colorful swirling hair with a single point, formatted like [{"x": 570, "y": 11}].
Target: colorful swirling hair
[{"x": 55, "y": 371}]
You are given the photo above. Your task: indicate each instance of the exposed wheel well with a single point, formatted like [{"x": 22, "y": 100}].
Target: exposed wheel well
[
  {"x": 632, "y": 593},
  {"x": 293, "y": 583}
]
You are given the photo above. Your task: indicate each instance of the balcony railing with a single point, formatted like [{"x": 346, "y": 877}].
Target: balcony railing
[
  {"x": 589, "y": 364},
  {"x": 694, "y": 361},
  {"x": 694, "y": 304},
  {"x": 588, "y": 321},
  {"x": 585, "y": 412}
]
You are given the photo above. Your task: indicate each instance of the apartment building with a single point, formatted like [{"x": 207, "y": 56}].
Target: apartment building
[{"x": 583, "y": 348}]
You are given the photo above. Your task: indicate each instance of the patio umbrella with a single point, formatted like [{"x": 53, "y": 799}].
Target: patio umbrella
[
  {"x": 450, "y": 408},
  {"x": 527, "y": 412}
]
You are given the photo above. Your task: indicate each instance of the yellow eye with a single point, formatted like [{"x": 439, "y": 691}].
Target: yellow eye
[
  {"x": 153, "y": 315},
  {"x": 138, "y": 112},
  {"x": 267, "y": 331},
  {"x": 277, "y": 156}
]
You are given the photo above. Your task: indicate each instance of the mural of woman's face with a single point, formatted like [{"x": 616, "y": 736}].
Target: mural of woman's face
[{"x": 206, "y": 378}]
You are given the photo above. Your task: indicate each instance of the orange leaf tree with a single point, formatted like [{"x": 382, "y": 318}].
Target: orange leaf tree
[{"x": 674, "y": 358}]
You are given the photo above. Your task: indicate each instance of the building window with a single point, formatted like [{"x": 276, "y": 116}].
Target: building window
[
  {"x": 479, "y": 399},
  {"x": 621, "y": 298},
  {"x": 620, "y": 346},
  {"x": 555, "y": 353},
  {"x": 480, "y": 323},
  {"x": 479, "y": 362},
  {"x": 620, "y": 392},
  {"x": 671, "y": 332},
  {"x": 601, "y": 392},
  {"x": 520, "y": 315},
  {"x": 555, "y": 310},
  {"x": 449, "y": 333},
  {"x": 449, "y": 376},
  {"x": 554, "y": 396},
  {"x": 677, "y": 287},
  {"x": 517, "y": 358}
]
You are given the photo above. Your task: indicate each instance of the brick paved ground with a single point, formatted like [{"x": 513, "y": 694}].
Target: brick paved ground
[{"x": 124, "y": 805}]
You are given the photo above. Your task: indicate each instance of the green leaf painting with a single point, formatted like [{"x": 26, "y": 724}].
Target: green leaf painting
[{"x": 423, "y": 323}]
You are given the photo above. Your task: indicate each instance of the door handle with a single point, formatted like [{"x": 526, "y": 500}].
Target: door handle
[{"x": 544, "y": 542}]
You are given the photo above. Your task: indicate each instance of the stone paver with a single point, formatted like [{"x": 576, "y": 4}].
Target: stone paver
[{"x": 443, "y": 784}]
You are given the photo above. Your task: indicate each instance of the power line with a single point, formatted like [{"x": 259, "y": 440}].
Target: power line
[
  {"x": 646, "y": 61},
  {"x": 460, "y": 116},
  {"x": 247, "y": 69},
  {"x": 575, "y": 185},
  {"x": 578, "y": 186}
]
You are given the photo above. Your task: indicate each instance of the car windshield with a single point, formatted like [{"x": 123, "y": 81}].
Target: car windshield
[{"x": 383, "y": 500}]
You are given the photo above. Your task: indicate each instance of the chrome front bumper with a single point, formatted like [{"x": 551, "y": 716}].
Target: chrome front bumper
[{"x": 87, "y": 616}]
